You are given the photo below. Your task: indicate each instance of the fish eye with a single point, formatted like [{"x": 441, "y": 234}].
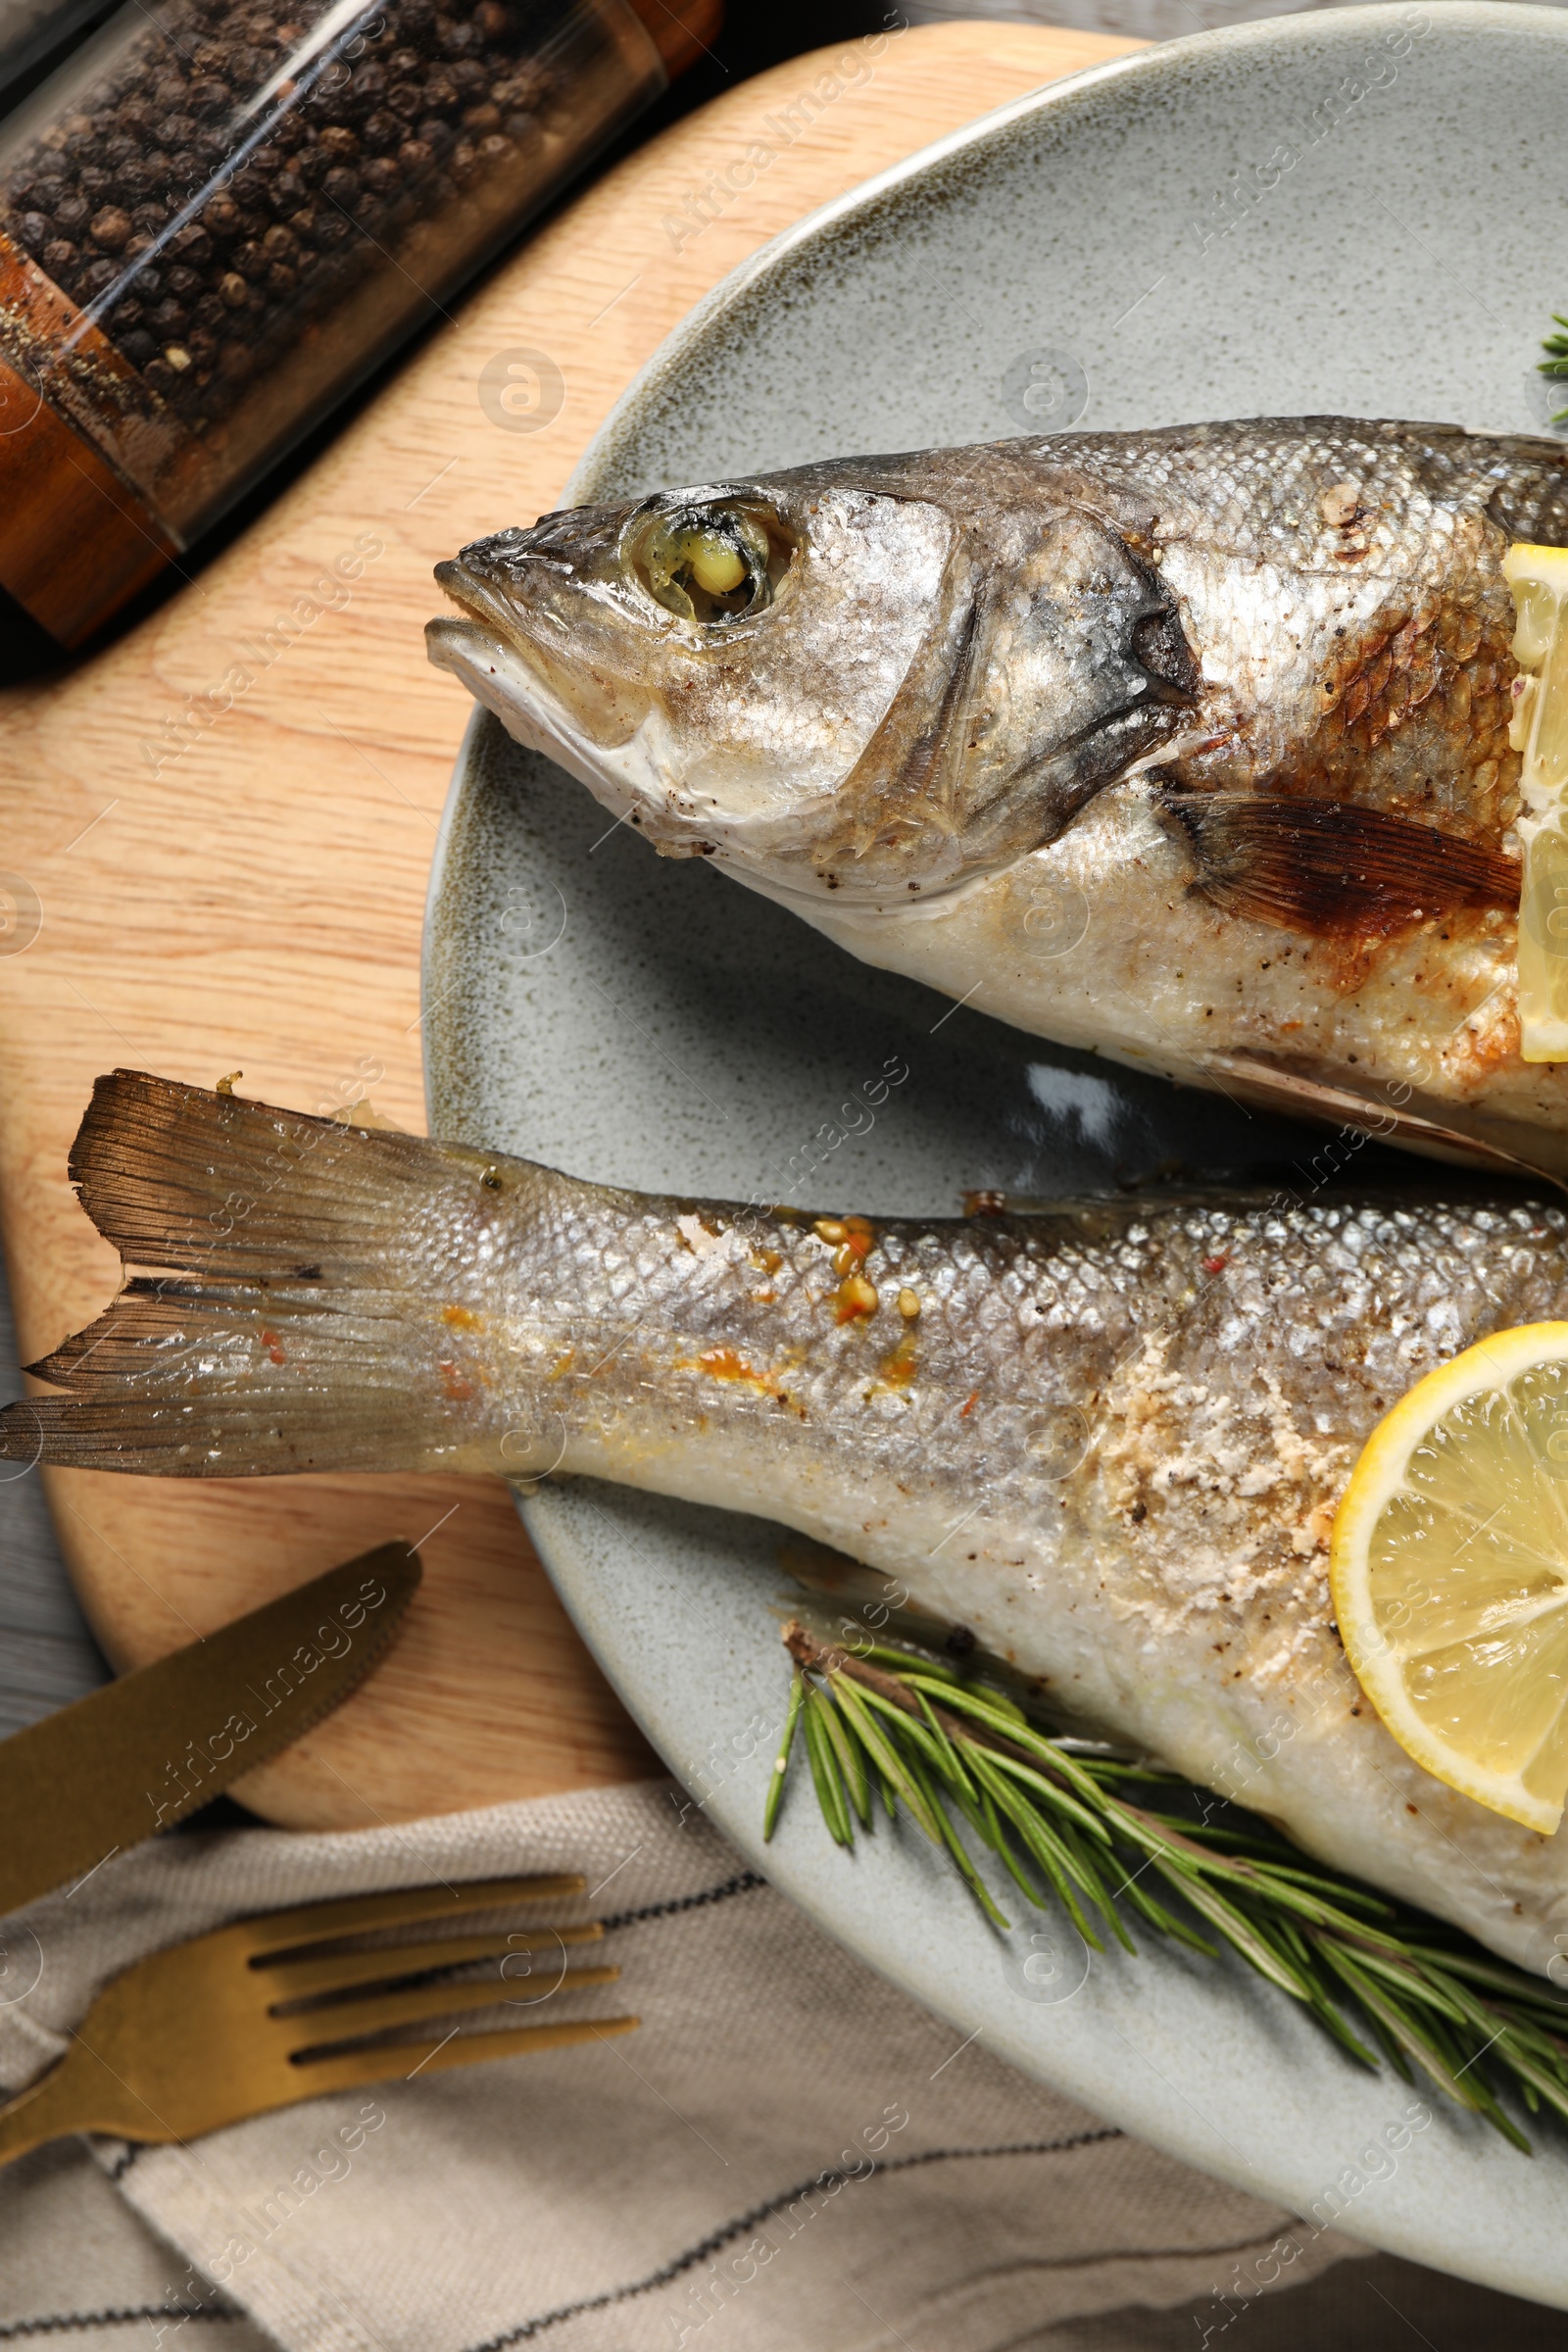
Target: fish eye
[{"x": 709, "y": 563}]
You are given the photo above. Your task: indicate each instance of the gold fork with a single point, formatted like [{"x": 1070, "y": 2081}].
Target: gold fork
[{"x": 252, "y": 2016}]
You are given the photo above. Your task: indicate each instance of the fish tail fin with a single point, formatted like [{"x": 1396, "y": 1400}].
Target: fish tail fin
[{"x": 277, "y": 1321}]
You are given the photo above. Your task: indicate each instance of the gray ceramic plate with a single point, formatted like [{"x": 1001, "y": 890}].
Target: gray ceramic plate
[{"x": 1131, "y": 247}]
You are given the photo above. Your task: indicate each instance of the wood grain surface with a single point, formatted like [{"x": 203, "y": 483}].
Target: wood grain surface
[{"x": 225, "y": 821}]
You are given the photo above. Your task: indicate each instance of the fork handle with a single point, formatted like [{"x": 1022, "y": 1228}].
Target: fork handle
[{"x": 77, "y": 2093}]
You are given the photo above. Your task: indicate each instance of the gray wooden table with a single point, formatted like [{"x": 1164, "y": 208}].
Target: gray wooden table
[{"x": 47, "y": 1656}]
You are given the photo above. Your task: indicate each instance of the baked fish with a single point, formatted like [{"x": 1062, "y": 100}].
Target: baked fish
[
  {"x": 1109, "y": 1439},
  {"x": 1191, "y": 747}
]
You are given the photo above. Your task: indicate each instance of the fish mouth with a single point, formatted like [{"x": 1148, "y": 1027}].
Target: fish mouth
[
  {"x": 482, "y": 604},
  {"x": 502, "y": 655}
]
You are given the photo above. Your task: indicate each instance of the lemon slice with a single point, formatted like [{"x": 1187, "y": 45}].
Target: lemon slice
[
  {"x": 1450, "y": 1572},
  {"x": 1539, "y": 578}
]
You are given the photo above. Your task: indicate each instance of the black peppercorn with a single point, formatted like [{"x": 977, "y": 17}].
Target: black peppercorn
[{"x": 237, "y": 170}]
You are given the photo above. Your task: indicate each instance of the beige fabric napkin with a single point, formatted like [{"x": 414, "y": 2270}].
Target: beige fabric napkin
[{"x": 788, "y": 2154}]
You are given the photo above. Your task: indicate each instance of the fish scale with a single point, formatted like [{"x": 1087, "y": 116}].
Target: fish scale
[{"x": 1110, "y": 1442}]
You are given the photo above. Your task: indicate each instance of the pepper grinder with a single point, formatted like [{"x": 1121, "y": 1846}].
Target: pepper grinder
[{"x": 219, "y": 215}]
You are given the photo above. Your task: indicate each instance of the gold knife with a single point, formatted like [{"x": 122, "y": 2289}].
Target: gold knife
[{"x": 99, "y": 1776}]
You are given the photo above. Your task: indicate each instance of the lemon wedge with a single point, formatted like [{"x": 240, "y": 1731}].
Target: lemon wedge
[
  {"x": 1539, "y": 578},
  {"x": 1449, "y": 1567}
]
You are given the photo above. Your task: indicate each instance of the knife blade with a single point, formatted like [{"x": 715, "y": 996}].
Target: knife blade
[{"x": 99, "y": 1776}]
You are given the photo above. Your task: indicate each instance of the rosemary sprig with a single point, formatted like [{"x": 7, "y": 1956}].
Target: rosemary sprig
[
  {"x": 955, "y": 1753},
  {"x": 1556, "y": 362}
]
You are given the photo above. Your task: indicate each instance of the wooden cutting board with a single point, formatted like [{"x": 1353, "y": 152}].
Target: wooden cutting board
[{"x": 227, "y": 820}]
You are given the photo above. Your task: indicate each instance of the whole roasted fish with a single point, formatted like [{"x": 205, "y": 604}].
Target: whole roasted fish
[
  {"x": 1109, "y": 1439},
  {"x": 1187, "y": 746}
]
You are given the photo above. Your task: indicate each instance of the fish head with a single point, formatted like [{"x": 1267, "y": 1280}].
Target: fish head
[{"x": 863, "y": 681}]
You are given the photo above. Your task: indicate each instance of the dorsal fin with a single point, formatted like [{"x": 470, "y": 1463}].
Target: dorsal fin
[{"x": 1329, "y": 867}]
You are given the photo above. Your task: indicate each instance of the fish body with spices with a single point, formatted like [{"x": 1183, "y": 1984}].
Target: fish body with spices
[
  {"x": 1109, "y": 1439},
  {"x": 1189, "y": 746}
]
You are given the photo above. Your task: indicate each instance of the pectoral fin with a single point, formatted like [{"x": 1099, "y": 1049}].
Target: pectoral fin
[
  {"x": 1269, "y": 1089},
  {"x": 1328, "y": 867}
]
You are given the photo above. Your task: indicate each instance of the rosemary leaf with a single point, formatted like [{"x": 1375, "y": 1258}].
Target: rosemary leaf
[
  {"x": 1246, "y": 1935},
  {"x": 781, "y": 1765},
  {"x": 891, "y": 1765},
  {"x": 1045, "y": 1847},
  {"x": 825, "y": 1770},
  {"x": 851, "y": 1762}
]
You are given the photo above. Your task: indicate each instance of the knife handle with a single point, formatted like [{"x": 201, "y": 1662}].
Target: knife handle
[{"x": 78, "y": 2094}]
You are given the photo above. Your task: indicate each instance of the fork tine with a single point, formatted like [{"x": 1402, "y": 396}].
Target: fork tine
[
  {"x": 335, "y": 1972},
  {"x": 402, "y": 1906},
  {"x": 420, "y": 2004},
  {"x": 350, "y": 2068}
]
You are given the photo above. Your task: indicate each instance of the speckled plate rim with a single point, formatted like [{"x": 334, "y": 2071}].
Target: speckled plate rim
[
  {"x": 1157, "y": 62},
  {"x": 1451, "y": 2195}
]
